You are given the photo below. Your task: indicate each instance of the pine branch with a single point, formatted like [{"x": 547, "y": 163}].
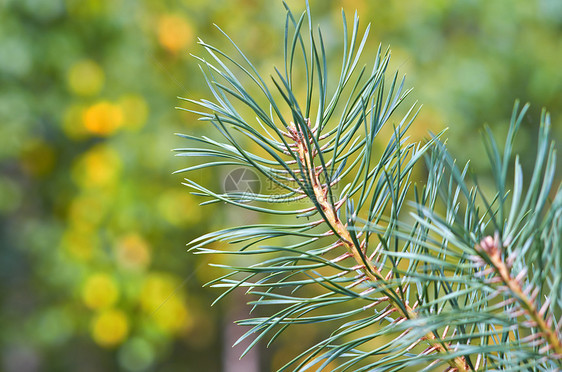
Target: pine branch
[
  {"x": 444, "y": 291},
  {"x": 508, "y": 315},
  {"x": 370, "y": 272},
  {"x": 526, "y": 297}
]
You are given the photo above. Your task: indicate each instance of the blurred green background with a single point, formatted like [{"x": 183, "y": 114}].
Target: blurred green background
[{"x": 93, "y": 226}]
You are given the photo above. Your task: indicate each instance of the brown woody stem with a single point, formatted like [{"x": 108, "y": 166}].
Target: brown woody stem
[
  {"x": 369, "y": 270},
  {"x": 491, "y": 247}
]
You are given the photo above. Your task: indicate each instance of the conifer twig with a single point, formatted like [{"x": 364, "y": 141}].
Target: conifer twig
[
  {"x": 369, "y": 270},
  {"x": 491, "y": 248}
]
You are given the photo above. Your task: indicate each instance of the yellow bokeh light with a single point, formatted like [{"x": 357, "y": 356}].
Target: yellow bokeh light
[
  {"x": 79, "y": 244},
  {"x": 354, "y": 5},
  {"x": 163, "y": 300},
  {"x": 72, "y": 122},
  {"x": 86, "y": 8},
  {"x": 174, "y": 33},
  {"x": 210, "y": 272},
  {"x": 110, "y": 328},
  {"x": 172, "y": 316},
  {"x": 135, "y": 111},
  {"x": 133, "y": 252},
  {"x": 102, "y": 118},
  {"x": 157, "y": 288},
  {"x": 100, "y": 291},
  {"x": 178, "y": 207},
  {"x": 85, "y": 78},
  {"x": 98, "y": 167},
  {"x": 87, "y": 210}
]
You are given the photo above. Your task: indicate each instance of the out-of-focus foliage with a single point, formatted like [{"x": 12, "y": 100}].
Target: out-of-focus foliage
[{"x": 93, "y": 226}]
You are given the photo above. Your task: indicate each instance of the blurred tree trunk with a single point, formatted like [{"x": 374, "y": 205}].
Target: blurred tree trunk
[{"x": 237, "y": 309}]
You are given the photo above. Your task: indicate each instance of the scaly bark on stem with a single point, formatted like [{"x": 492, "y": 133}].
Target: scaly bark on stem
[
  {"x": 457, "y": 364},
  {"x": 491, "y": 247}
]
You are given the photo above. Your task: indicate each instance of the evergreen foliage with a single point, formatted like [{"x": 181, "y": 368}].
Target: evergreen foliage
[{"x": 446, "y": 275}]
